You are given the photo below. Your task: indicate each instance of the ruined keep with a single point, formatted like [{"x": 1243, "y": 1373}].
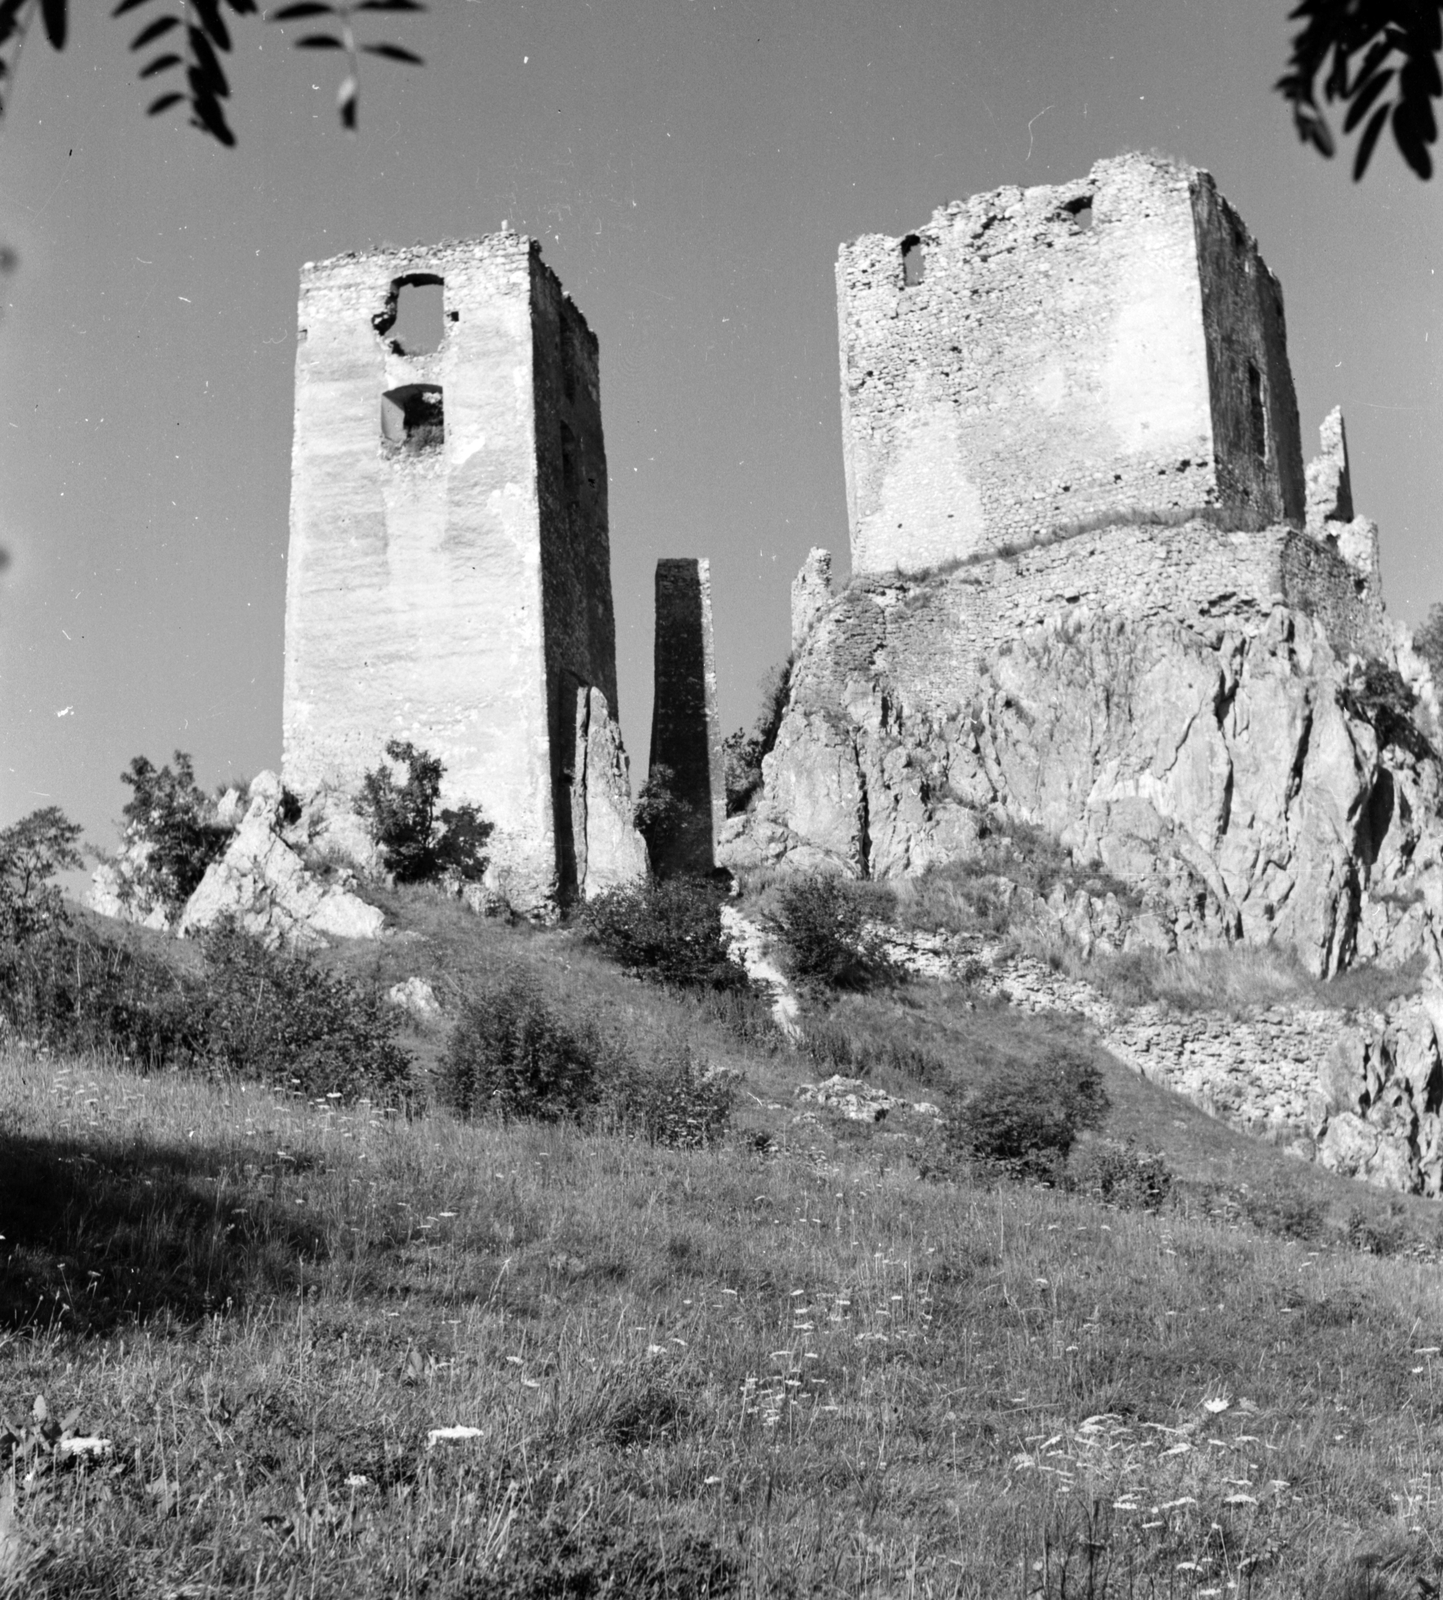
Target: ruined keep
[
  {"x": 685, "y": 732},
  {"x": 449, "y": 577},
  {"x": 1032, "y": 360}
]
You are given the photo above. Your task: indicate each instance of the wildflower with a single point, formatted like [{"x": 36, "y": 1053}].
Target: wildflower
[{"x": 450, "y": 1435}]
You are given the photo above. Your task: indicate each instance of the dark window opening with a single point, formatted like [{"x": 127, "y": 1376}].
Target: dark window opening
[
  {"x": 412, "y": 416},
  {"x": 414, "y": 316},
  {"x": 914, "y": 266},
  {"x": 1080, "y": 210},
  {"x": 1257, "y": 414}
]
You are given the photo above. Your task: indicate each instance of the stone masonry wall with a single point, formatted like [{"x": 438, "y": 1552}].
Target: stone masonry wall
[
  {"x": 1059, "y": 354},
  {"x": 452, "y": 586},
  {"x": 685, "y": 731}
]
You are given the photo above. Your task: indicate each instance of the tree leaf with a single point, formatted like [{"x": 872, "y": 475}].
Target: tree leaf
[
  {"x": 54, "y": 13},
  {"x": 160, "y": 64},
  {"x": 319, "y": 41},
  {"x": 154, "y": 30},
  {"x": 305, "y": 8},
  {"x": 127, "y": 5},
  {"x": 1365, "y": 144},
  {"x": 1363, "y": 99},
  {"x": 164, "y": 103},
  {"x": 389, "y": 5},
  {"x": 393, "y": 52}
]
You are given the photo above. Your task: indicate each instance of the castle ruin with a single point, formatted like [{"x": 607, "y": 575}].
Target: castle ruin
[
  {"x": 1034, "y": 359},
  {"x": 449, "y": 576}
]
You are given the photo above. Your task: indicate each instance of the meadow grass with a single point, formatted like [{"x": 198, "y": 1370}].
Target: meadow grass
[{"x": 792, "y": 1372}]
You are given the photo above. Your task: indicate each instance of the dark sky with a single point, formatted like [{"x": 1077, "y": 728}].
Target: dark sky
[{"x": 691, "y": 169}]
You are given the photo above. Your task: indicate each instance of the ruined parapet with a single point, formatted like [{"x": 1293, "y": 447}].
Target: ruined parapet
[
  {"x": 1330, "y": 482},
  {"x": 685, "y": 733},
  {"x": 449, "y": 578},
  {"x": 1331, "y": 514},
  {"x": 1035, "y": 359},
  {"x": 811, "y": 592}
]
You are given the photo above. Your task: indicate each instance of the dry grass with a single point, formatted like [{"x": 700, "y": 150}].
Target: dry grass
[
  {"x": 1234, "y": 980},
  {"x": 790, "y": 1371}
]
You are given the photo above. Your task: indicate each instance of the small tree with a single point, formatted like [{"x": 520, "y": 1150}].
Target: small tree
[
  {"x": 669, "y": 932},
  {"x": 419, "y": 841},
  {"x": 169, "y": 813},
  {"x": 32, "y": 851}
]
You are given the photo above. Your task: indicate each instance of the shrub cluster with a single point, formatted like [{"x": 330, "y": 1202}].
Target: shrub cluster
[
  {"x": 419, "y": 839},
  {"x": 516, "y": 1053},
  {"x": 669, "y": 931},
  {"x": 250, "y": 1010},
  {"x": 823, "y": 921},
  {"x": 278, "y": 1017},
  {"x": 513, "y": 1054},
  {"x": 1026, "y": 1119},
  {"x": 1124, "y": 1176}
]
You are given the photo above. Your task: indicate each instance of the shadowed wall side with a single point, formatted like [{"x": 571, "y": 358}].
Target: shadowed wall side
[{"x": 685, "y": 732}]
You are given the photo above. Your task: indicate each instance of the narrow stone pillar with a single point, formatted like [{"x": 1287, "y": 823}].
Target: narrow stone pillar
[
  {"x": 811, "y": 590},
  {"x": 685, "y": 734},
  {"x": 1330, "y": 483}
]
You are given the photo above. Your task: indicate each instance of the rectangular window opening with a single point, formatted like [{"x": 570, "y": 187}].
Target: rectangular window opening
[{"x": 914, "y": 266}]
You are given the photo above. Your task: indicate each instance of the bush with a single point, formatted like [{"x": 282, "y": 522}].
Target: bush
[
  {"x": 664, "y": 820},
  {"x": 823, "y": 919},
  {"x": 1377, "y": 1235},
  {"x": 68, "y": 988},
  {"x": 668, "y": 931},
  {"x": 280, "y": 1018},
  {"x": 673, "y": 1099},
  {"x": 170, "y": 816},
  {"x": 1122, "y": 1175},
  {"x": 418, "y": 841},
  {"x": 513, "y": 1053},
  {"x": 1026, "y": 1118},
  {"x": 1284, "y": 1211}
]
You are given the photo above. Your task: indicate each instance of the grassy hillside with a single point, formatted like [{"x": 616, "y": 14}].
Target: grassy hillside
[{"x": 784, "y": 1365}]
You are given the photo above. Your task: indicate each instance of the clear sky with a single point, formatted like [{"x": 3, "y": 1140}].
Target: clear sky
[{"x": 690, "y": 169}]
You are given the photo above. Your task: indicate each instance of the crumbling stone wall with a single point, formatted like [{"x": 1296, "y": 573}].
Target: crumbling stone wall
[
  {"x": 934, "y": 636},
  {"x": 449, "y": 578},
  {"x": 685, "y": 731},
  {"x": 1038, "y": 358}
]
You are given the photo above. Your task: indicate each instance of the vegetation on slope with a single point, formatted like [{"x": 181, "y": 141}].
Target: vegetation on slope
[{"x": 778, "y": 1363}]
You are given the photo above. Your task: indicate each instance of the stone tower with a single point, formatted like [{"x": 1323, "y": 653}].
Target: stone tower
[
  {"x": 685, "y": 732},
  {"x": 449, "y": 578},
  {"x": 1038, "y": 358}
]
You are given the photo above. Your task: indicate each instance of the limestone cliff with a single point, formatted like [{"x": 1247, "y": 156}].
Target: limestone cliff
[{"x": 1227, "y": 721}]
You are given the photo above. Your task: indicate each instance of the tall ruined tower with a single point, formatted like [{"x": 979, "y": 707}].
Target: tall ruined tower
[
  {"x": 1034, "y": 358},
  {"x": 450, "y": 572}
]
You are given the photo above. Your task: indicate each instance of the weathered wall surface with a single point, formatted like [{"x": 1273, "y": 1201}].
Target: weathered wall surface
[
  {"x": 685, "y": 732},
  {"x": 451, "y": 587},
  {"x": 1065, "y": 354}
]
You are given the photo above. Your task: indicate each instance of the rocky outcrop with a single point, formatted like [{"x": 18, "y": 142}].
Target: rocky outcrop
[
  {"x": 262, "y": 881},
  {"x": 1257, "y": 770}
]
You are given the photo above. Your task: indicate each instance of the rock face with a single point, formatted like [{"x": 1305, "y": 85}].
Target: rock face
[
  {"x": 264, "y": 884},
  {"x": 1226, "y": 721}
]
